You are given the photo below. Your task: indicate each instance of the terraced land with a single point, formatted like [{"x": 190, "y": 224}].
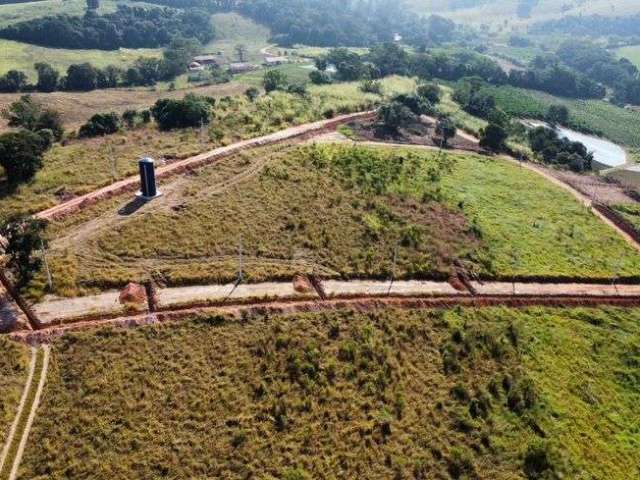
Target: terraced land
[
  {"x": 487, "y": 393},
  {"x": 14, "y": 363},
  {"x": 341, "y": 212}
]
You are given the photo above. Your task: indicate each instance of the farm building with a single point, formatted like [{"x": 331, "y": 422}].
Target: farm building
[
  {"x": 242, "y": 67},
  {"x": 274, "y": 61},
  {"x": 209, "y": 59}
]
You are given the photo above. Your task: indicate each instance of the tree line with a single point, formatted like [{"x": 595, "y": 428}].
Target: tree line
[
  {"x": 590, "y": 26},
  {"x": 145, "y": 71},
  {"x": 332, "y": 23},
  {"x": 390, "y": 58},
  {"x": 128, "y": 27}
]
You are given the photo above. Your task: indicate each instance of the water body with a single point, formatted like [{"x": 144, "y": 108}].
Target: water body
[{"x": 605, "y": 153}]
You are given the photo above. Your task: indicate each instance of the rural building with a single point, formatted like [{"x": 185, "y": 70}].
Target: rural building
[
  {"x": 242, "y": 67},
  {"x": 209, "y": 59},
  {"x": 274, "y": 61}
]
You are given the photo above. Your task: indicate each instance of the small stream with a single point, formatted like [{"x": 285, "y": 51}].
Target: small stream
[{"x": 605, "y": 153}]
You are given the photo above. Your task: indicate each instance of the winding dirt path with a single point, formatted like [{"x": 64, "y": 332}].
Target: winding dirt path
[
  {"x": 21, "y": 405},
  {"x": 32, "y": 414}
]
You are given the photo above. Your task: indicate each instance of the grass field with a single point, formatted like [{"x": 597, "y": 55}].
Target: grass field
[
  {"x": 20, "y": 12},
  {"x": 341, "y": 212},
  {"x": 22, "y": 56},
  {"x": 387, "y": 394},
  {"x": 631, "y": 213},
  {"x": 84, "y": 165},
  {"x": 14, "y": 361},
  {"x": 614, "y": 123},
  {"x": 632, "y": 53}
]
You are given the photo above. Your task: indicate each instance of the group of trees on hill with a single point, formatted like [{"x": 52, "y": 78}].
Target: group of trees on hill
[
  {"x": 145, "y": 71},
  {"x": 590, "y": 26},
  {"x": 333, "y": 22},
  {"x": 557, "y": 150},
  {"x": 129, "y": 27}
]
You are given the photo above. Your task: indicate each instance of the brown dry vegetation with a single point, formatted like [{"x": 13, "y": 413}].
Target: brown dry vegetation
[
  {"x": 468, "y": 393},
  {"x": 312, "y": 209},
  {"x": 14, "y": 361}
]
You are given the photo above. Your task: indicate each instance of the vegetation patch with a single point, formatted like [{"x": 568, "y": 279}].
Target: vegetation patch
[
  {"x": 392, "y": 394},
  {"x": 14, "y": 364}
]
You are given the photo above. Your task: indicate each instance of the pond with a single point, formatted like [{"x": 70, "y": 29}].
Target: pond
[{"x": 605, "y": 153}]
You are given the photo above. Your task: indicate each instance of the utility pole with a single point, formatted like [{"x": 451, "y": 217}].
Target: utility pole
[
  {"x": 393, "y": 267},
  {"x": 46, "y": 266}
]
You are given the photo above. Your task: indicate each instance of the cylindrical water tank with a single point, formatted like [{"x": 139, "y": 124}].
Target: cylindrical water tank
[{"x": 147, "y": 178}]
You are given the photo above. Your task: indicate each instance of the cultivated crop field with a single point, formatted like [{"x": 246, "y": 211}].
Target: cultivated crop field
[
  {"x": 341, "y": 211},
  {"x": 14, "y": 361},
  {"x": 490, "y": 393}
]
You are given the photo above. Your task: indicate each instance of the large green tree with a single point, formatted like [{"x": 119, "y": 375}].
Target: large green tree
[
  {"x": 21, "y": 155},
  {"x": 24, "y": 238}
]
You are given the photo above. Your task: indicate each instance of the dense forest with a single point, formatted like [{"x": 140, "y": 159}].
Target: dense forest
[
  {"x": 128, "y": 27},
  {"x": 333, "y": 22}
]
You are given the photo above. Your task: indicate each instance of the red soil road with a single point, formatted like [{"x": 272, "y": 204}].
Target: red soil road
[
  {"x": 132, "y": 183},
  {"x": 282, "y": 307}
]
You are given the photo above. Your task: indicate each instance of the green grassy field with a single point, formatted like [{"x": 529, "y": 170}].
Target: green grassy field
[
  {"x": 631, "y": 213},
  {"x": 20, "y": 12},
  {"x": 14, "y": 361},
  {"x": 341, "y": 212},
  {"x": 632, "y": 53},
  {"x": 389, "y": 394},
  {"x": 232, "y": 30},
  {"x": 22, "y": 56},
  {"x": 614, "y": 123}
]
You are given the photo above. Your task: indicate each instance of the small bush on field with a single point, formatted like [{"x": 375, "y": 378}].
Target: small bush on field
[{"x": 100, "y": 124}]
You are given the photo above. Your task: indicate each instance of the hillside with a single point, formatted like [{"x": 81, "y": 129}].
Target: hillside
[
  {"x": 490, "y": 393},
  {"x": 342, "y": 211}
]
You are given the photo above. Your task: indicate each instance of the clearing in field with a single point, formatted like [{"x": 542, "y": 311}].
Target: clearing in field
[
  {"x": 490, "y": 393},
  {"x": 342, "y": 212}
]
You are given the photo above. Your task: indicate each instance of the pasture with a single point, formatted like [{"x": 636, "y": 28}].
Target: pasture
[
  {"x": 341, "y": 212},
  {"x": 481, "y": 393}
]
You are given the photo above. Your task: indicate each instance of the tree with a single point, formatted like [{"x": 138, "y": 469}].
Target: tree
[
  {"x": 29, "y": 114},
  {"x": 21, "y": 155},
  {"x": 445, "y": 129},
  {"x": 430, "y": 92},
  {"x": 93, "y": 4},
  {"x": 395, "y": 115},
  {"x": 241, "y": 52},
  {"x": 82, "y": 77},
  {"x": 274, "y": 80},
  {"x": 557, "y": 115},
  {"x": 320, "y": 77},
  {"x": 252, "y": 93},
  {"x": 191, "y": 111},
  {"x": 47, "y": 77},
  {"x": 493, "y": 136},
  {"x": 24, "y": 236},
  {"x": 390, "y": 59},
  {"x": 100, "y": 124},
  {"x": 13, "y": 81},
  {"x": 177, "y": 56},
  {"x": 129, "y": 117}
]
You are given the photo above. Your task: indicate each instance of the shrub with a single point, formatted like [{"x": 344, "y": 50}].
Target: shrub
[
  {"x": 371, "y": 86},
  {"x": 538, "y": 463},
  {"x": 445, "y": 129},
  {"x": 252, "y": 93},
  {"x": 24, "y": 236},
  {"x": 274, "y": 80},
  {"x": 319, "y": 77},
  {"x": 21, "y": 155},
  {"x": 395, "y": 115},
  {"x": 460, "y": 462},
  {"x": 191, "y": 111},
  {"x": 129, "y": 118},
  {"x": 493, "y": 136},
  {"x": 296, "y": 474},
  {"x": 100, "y": 124},
  {"x": 430, "y": 92},
  {"x": 29, "y": 114}
]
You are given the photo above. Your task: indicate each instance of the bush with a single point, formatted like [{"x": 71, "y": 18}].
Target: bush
[
  {"x": 191, "y": 111},
  {"x": 274, "y": 80},
  {"x": 538, "y": 463},
  {"x": 371, "y": 86},
  {"x": 29, "y": 114},
  {"x": 100, "y": 124},
  {"x": 395, "y": 115},
  {"x": 430, "y": 92},
  {"x": 252, "y": 93},
  {"x": 493, "y": 136},
  {"x": 445, "y": 129},
  {"x": 21, "y": 155},
  {"x": 24, "y": 235},
  {"x": 129, "y": 118},
  {"x": 318, "y": 77}
]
